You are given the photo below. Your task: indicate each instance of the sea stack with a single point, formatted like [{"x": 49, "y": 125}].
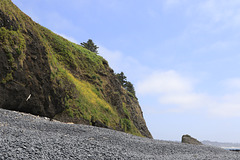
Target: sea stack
[{"x": 190, "y": 140}]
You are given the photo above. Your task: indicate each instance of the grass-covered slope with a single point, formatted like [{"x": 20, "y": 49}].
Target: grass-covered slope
[{"x": 45, "y": 74}]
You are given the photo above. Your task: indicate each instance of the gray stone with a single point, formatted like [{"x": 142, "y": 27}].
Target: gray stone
[
  {"x": 190, "y": 140},
  {"x": 47, "y": 141}
]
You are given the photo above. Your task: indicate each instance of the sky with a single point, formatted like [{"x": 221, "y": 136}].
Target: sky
[{"x": 182, "y": 56}]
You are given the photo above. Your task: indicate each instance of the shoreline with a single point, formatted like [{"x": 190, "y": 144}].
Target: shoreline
[{"x": 25, "y": 136}]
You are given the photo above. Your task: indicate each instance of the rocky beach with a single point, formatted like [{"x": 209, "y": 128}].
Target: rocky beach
[{"x": 24, "y": 136}]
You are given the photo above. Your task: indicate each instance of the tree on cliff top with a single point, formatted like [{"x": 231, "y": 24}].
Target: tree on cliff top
[
  {"x": 122, "y": 78},
  {"x": 90, "y": 46},
  {"x": 126, "y": 84},
  {"x": 129, "y": 87}
]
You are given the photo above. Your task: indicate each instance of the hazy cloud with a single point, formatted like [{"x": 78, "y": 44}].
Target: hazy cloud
[
  {"x": 173, "y": 89},
  {"x": 183, "y": 100},
  {"x": 164, "y": 82},
  {"x": 173, "y": 3},
  {"x": 226, "y": 106},
  {"x": 132, "y": 68},
  {"x": 113, "y": 57},
  {"x": 232, "y": 83},
  {"x": 178, "y": 92},
  {"x": 217, "y": 14},
  {"x": 58, "y": 22},
  {"x": 71, "y": 39}
]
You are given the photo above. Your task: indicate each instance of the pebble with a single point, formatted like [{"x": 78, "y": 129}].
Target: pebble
[{"x": 32, "y": 137}]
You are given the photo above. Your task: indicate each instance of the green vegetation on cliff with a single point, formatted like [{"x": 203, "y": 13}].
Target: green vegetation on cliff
[{"x": 67, "y": 81}]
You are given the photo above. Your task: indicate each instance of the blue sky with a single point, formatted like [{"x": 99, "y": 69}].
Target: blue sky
[{"x": 181, "y": 55}]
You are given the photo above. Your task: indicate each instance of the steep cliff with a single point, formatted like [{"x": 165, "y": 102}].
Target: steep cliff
[{"x": 45, "y": 74}]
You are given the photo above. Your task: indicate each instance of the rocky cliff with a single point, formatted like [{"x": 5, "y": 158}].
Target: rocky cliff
[{"x": 45, "y": 74}]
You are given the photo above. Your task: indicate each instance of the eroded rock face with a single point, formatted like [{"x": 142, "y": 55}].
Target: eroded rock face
[
  {"x": 35, "y": 66},
  {"x": 190, "y": 140},
  {"x": 24, "y": 69}
]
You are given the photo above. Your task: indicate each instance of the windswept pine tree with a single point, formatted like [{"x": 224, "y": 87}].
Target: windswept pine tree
[
  {"x": 126, "y": 84},
  {"x": 90, "y": 46}
]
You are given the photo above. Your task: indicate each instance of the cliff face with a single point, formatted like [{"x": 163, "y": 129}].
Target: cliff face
[{"x": 44, "y": 74}]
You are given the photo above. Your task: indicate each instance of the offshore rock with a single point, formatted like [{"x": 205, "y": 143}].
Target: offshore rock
[{"x": 190, "y": 140}]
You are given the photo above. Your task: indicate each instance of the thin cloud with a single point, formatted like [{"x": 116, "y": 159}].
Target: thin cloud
[
  {"x": 173, "y": 3},
  {"x": 171, "y": 88},
  {"x": 179, "y": 94},
  {"x": 113, "y": 57},
  {"x": 132, "y": 68},
  {"x": 71, "y": 39},
  {"x": 58, "y": 22},
  {"x": 164, "y": 82},
  {"x": 232, "y": 83},
  {"x": 218, "y": 14},
  {"x": 184, "y": 100},
  {"x": 227, "y": 106},
  {"x": 216, "y": 47},
  {"x": 210, "y": 16},
  {"x": 173, "y": 91}
]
